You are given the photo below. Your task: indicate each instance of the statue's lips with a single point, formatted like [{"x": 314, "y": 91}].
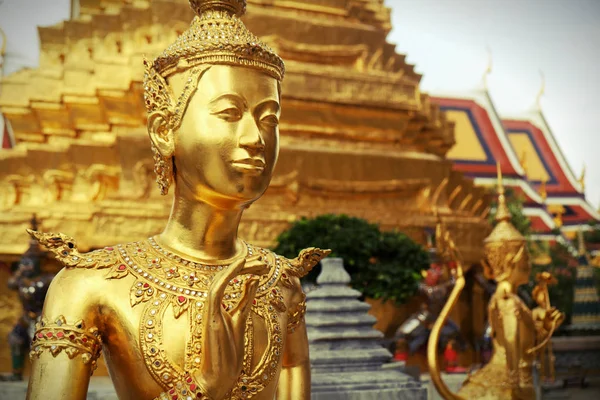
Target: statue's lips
[{"x": 249, "y": 165}]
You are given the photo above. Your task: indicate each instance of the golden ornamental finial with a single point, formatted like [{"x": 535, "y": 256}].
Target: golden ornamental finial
[
  {"x": 543, "y": 191},
  {"x": 488, "y": 68},
  {"x": 541, "y": 92},
  {"x": 581, "y": 179},
  {"x": 232, "y": 7},
  {"x": 502, "y": 212},
  {"x": 523, "y": 162},
  {"x": 581, "y": 242}
]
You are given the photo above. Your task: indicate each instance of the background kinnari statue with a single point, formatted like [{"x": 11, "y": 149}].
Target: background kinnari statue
[
  {"x": 195, "y": 311},
  {"x": 517, "y": 337},
  {"x": 31, "y": 285}
]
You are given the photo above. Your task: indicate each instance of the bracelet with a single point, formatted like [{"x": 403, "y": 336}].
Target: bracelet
[{"x": 73, "y": 339}]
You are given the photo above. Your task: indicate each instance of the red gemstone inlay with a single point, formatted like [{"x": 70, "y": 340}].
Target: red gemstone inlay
[
  {"x": 72, "y": 337},
  {"x": 193, "y": 387},
  {"x": 235, "y": 281},
  {"x": 60, "y": 335},
  {"x": 146, "y": 285},
  {"x": 49, "y": 334},
  {"x": 84, "y": 339},
  {"x": 181, "y": 299},
  {"x": 199, "y": 395},
  {"x": 122, "y": 267},
  {"x": 224, "y": 306},
  {"x": 40, "y": 335},
  {"x": 284, "y": 276},
  {"x": 254, "y": 301},
  {"x": 274, "y": 291},
  {"x": 189, "y": 379},
  {"x": 172, "y": 391},
  {"x": 175, "y": 397},
  {"x": 109, "y": 248}
]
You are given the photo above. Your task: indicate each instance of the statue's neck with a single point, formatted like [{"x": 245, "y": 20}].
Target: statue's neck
[{"x": 199, "y": 230}]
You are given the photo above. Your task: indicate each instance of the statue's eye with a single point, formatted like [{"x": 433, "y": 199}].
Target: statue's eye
[
  {"x": 270, "y": 120},
  {"x": 230, "y": 114}
]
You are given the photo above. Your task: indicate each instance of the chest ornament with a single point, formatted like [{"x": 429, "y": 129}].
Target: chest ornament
[{"x": 163, "y": 280}]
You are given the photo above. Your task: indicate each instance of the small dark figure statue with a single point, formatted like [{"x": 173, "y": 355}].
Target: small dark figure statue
[
  {"x": 31, "y": 285},
  {"x": 436, "y": 286}
]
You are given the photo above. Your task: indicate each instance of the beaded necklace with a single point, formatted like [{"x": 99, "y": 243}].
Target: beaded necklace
[{"x": 163, "y": 278}]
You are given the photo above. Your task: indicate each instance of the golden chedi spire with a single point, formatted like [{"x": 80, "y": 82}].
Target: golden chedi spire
[{"x": 505, "y": 239}]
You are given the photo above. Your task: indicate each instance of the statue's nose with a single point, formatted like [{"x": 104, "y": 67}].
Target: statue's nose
[{"x": 250, "y": 135}]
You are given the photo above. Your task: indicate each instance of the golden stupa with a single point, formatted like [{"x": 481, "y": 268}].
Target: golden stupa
[{"x": 357, "y": 135}]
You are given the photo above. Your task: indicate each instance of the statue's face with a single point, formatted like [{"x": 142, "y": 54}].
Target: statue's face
[{"x": 227, "y": 145}]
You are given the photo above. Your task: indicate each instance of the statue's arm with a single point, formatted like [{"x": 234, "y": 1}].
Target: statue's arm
[
  {"x": 294, "y": 381},
  {"x": 67, "y": 342},
  {"x": 508, "y": 314}
]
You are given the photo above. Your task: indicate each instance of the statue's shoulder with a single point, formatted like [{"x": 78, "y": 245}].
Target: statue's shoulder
[
  {"x": 65, "y": 251},
  {"x": 304, "y": 262}
]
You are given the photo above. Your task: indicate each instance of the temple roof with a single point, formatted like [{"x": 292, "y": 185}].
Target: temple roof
[
  {"x": 547, "y": 168},
  {"x": 482, "y": 143}
]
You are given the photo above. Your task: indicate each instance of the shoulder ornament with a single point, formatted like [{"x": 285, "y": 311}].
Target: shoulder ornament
[
  {"x": 65, "y": 250},
  {"x": 305, "y": 262}
]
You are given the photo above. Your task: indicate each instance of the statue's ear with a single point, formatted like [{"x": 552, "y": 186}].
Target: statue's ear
[{"x": 161, "y": 134}]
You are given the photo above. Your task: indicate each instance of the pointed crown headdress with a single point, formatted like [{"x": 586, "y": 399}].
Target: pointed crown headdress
[
  {"x": 505, "y": 245},
  {"x": 216, "y": 36}
]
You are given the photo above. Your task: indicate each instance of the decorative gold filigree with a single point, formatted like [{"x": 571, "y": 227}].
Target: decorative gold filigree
[
  {"x": 218, "y": 36},
  {"x": 296, "y": 317},
  {"x": 65, "y": 250},
  {"x": 305, "y": 262},
  {"x": 163, "y": 279}
]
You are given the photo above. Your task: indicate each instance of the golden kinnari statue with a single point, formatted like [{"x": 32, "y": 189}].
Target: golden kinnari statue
[
  {"x": 518, "y": 334},
  {"x": 194, "y": 312}
]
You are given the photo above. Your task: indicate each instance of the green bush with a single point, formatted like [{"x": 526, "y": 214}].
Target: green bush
[{"x": 382, "y": 265}]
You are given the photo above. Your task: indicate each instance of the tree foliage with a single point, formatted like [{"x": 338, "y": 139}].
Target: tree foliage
[{"x": 382, "y": 265}]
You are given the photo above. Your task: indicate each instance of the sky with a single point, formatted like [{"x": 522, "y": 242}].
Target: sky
[{"x": 449, "y": 41}]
